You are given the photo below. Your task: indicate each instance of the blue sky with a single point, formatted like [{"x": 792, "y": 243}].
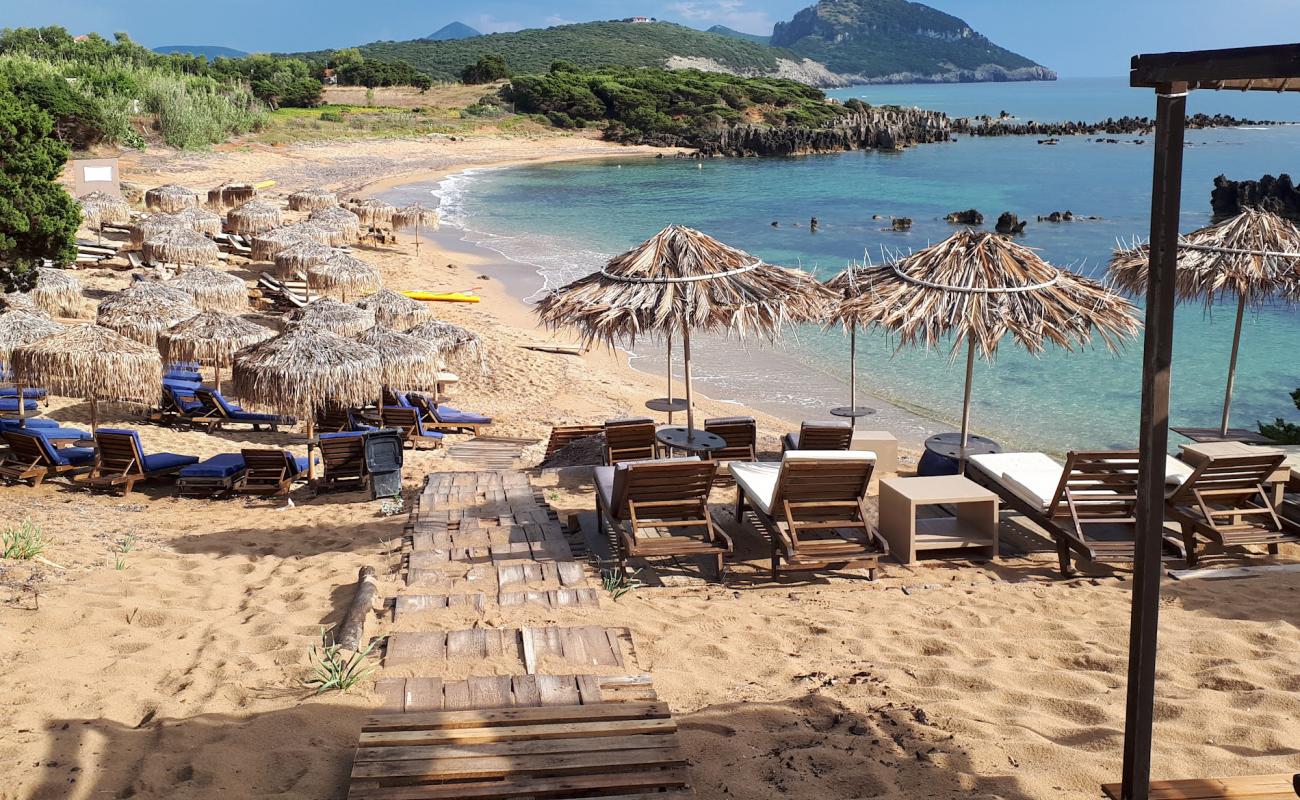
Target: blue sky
[{"x": 1083, "y": 38}]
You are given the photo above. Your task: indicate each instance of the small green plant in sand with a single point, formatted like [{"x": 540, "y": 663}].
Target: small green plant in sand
[
  {"x": 120, "y": 550},
  {"x": 618, "y": 584},
  {"x": 392, "y": 507},
  {"x": 332, "y": 669},
  {"x": 23, "y": 541}
]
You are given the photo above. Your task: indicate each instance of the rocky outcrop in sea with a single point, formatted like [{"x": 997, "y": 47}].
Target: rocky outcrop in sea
[
  {"x": 1278, "y": 195},
  {"x": 1143, "y": 126},
  {"x": 873, "y": 129}
]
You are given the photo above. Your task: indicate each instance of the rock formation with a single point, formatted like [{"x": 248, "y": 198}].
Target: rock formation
[
  {"x": 872, "y": 129},
  {"x": 968, "y": 217},
  {"x": 1278, "y": 195},
  {"x": 1009, "y": 224}
]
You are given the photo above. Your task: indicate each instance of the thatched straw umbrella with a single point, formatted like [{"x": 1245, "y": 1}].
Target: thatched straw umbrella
[
  {"x": 57, "y": 291},
  {"x": 212, "y": 290},
  {"x": 305, "y": 368},
  {"x": 100, "y": 209},
  {"x": 344, "y": 273},
  {"x": 1254, "y": 256},
  {"x": 18, "y": 329},
  {"x": 266, "y": 245},
  {"x": 416, "y": 216},
  {"x": 372, "y": 211},
  {"x": 976, "y": 288},
  {"x": 342, "y": 222},
  {"x": 181, "y": 246},
  {"x": 200, "y": 220},
  {"x": 19, "y": 301},
  {"x": 145, "y": 310},
  {"x": 341, "y": 318},
  {"x": 301, "y": 256},
  {"x": 92, "y": 362},
  {"x": 152, "y": 225},
  {"x": 255, "y": 216},
  {"x": 312, "y": 200},
  {"x": 407, "y": 362},
  {"x": 846, "y": 286},
  {"x": 170, "y": 198},
  {"x": 231, "y": 195},
  {"x": 455, "y": 344},
  {"x": 211, "y": 337},
  {"x": 680, "y": 281},
  {"x": 395, "y": 310}
]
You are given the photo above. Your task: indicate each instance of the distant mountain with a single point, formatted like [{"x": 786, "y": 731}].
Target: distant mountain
[
  {"x": 723, "y": 30},
  {"x": 896, "y": 41},
  {"x": 451, "y": 31},
  {"x": 211, "y": 51},
  {"x": 602, "y": 44}
]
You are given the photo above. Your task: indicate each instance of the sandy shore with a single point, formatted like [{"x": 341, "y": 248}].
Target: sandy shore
[{"x": 160, "y": 649}]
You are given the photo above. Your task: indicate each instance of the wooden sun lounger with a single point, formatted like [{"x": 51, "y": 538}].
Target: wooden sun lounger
[
  {"x": 429, "y": 414},
  {"x": 267, "y": 472},
  {"x": 1251, "y": 787},
  {"x": 564, "y": 435},
  {"x": 120, "y": 463},
  {"x": 741, "y": 436},
  {"x": 407, "y": 421},
  {"x": 630, "y": 440},
  {"x": 1226, "y": 502},
  {"x": 27, "y": 461},
  {"x": 817, "y": 514},
  {"x": 1097, "y": 493},
  {"x": 820, "y": 436},
  {"x": 617, "y": 751},
  {"x": 661, "y": 509},
  {"x": 343, "y": 463}
]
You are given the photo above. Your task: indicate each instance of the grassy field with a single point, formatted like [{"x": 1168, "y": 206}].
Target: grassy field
[
  {"x": 443, "y": 95},
  {"x": 335, "y": 122}
]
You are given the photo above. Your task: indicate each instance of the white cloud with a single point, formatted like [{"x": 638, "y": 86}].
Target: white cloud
[
  {"x": 731, "y": 13},
  {"x": 556, "y": 19},
  {"x": 490, "y": 24}
]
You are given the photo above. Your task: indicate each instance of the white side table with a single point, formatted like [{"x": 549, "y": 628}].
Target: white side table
[{"x": 974, "y": 527}]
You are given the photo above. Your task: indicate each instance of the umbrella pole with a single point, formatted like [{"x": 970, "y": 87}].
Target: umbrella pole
[
  {"x": 853, "y": 374},
  {"x": 670, "y": 379},
  {"x": 216, "y": 378},
  {"x": 1232, "y": 366},
  {"x": 686, "y": 368},
  {"x": 311, "y": 463},
  {"x": 965, "y": 404},
  {"x": 94, "y": 415}
]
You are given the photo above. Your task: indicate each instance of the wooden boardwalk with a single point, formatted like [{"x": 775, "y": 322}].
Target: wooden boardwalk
[{"x": 575, "y": 718}]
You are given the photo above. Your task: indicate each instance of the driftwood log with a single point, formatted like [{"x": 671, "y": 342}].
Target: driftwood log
[{"x": 353, "y": 627}]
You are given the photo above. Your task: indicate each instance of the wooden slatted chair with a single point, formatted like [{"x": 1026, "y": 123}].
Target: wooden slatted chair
[
  {"x": 270, "y": 472},
  {"x": 120, "y": 462},
  {"x": 445, "y": 418},
  {"x": 630, "y": 440},
  {"x": 1225, "y": 501},
  {"x": 1088, "y": 505},
  {"x": 812, "y": 507},
  {"x": 32, "y": 458},
  {"x": 343, "y": 462},
  {"x": 564, "y": 435},
  {"x": 661, "y": 509},
  {"x": 741, "y": 436},
  {"x": 407, "y": 420},
  {"x": 835, "y": 435}
]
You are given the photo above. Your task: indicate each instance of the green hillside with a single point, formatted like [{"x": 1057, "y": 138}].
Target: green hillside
[
  {"x": 876, "y": 38},
  {"x": 723, "y": 30},
  {"x": 590, "y": 44}
]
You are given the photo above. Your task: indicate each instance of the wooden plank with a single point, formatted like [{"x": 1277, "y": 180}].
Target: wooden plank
[
  {"x": 513, "y": 717},
  {"x": 404, "y": 647},
  {"x": 392, "y": 694},
  {"x": 1256, "y": 787},
  {"x": 524, "y": 688},
  {"x": 537, "y": 747},
  {"x": 422, "y": 694},
  {"x": 490, "y": 692},
  {"x": 589, "y": 689},
  {"x": 564, "y": 730},
  {"x": 529, "y": 649},
  {"x": 575, "y": 786},
  {"x": 547, "y": 764},
  {"x": 455, "y": 697},
  {"x": 558, "y": 690},
  {"x": 469, "y": 644}
]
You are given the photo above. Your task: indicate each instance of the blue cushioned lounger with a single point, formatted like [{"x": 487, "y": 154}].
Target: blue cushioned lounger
[
  {"x": 210, "y": 476},
  {"x": 27, "y": 423},
  {"x": 219, "y": 407},
  {"x": 29, "y": 393},
  {"x": 9, "y": 405},
  {"x": 32, "y": 458},
  {"x": 122, "y": 461}
]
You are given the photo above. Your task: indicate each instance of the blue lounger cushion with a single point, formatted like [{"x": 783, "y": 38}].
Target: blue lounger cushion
[
  {"x": 226, "y": 465},
  {"x": 29, "y": 393},
  {"x": 10, "y": 405},
  {"x": 342, "y": 435},
  {"x": 183, "y": 375},
  {"x": 402, "y": 400},
  {"x": 32, "y": 423},
  {"x": 67, "y": 457},
  {"x": 297, "y": 465},
  {"x": 453, "y": 415},
  {"x": 157, "y": 461},
  {"x": 238, "y": 414},
  {"x": 61, "y": 434}
]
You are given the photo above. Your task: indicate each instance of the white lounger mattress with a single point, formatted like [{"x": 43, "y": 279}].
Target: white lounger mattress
[
  {"x": 757, "y": 479},
  {"x": 1034, "y": 477}
]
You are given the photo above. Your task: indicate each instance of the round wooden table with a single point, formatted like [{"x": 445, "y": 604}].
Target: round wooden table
[
  {"x": 943, "y": 453},
  {"x": 694, "y": 442}
]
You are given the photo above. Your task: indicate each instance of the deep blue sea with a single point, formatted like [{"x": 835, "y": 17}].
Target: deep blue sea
[{"x": 567, "y": 219}]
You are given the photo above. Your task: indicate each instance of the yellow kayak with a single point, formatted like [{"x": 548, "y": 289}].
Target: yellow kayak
[{"x": 445, "y": 297}]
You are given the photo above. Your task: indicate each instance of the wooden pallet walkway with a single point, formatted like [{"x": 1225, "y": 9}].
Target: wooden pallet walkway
[
  {"x": 576, "y": 646},
  {"x": 401, "y": 695},
  {"x": 612, "y": 750},
  {"x": 490, "y": 452},
  {"x": 1249, "y": 787}
]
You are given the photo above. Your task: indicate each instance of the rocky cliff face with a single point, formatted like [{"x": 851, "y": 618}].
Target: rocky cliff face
[
  {"x": 1278, "y": 195},
  {"x": 875, "y": 129}
]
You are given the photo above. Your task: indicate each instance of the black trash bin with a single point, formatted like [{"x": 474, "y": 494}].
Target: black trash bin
[{"x": 384, "y": 462}]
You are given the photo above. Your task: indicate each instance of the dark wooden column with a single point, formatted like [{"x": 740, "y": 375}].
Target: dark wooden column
[{"x": 1166, "y": 190}]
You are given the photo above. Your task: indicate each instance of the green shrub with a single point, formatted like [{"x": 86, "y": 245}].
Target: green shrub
[
  {"x": 331, "y": 116},
  {"x": 22, "y": 542},
  {"x": 1281, "y": 431},
  {"x": 486, "y": 70}
]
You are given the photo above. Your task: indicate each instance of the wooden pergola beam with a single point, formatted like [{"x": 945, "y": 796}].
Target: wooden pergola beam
[{"x": 1242, "y": 68}]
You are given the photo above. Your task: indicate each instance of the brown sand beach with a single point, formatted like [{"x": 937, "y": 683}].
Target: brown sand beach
[{"x": 159, "y": 649}]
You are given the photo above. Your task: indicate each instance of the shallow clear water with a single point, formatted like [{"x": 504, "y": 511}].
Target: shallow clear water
[{"x": 567, "y": 219}]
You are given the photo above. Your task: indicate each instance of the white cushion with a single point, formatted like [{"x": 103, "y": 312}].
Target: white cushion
[
  {"x": 1176, "y": 472},
  {"x": 829, "y": 455},
  {"x": 757, "y": 479},
  {"x": 1033, "y": 477}
]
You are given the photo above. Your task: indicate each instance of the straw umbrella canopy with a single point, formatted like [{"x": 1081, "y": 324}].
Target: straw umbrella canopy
[
  {"x": 100, "y": 209},
  {"x": 679, "y": 281},
  {"x": 406, "y": 362},
  {"x": 343, "y": 223},
  {"x": 312, "y": 200},
  {"x": 341, "y": 318},
  {"x": 302, "y": 255},
  {"x": 154, "y": 224},
  {"x": 255, "y": 216},
  {"x": 846, "y": 285},
  {"x": 212, "y": 289},
  {"x": 305, "y": 368},
  {"x": 1254, "y": 256},
  {"x": 57, "y": 291},
  {"x": 211, "y": 337},
  {"x": 372, "y": 211},
  {"x": 345, "y": 273},
  {"x": 19, "y": 328},
  {"x": 181, "y": 246},
  {"x": 93, "y": 362},
  {"x": 266, "y": 245},
  {"x": 416, "y": 216},
  {"x": 170, "y": 198},
  {"x": 454, "y": 343},
  {"x": 976, "y": 289},
  {"x": 231, "y": 194},
  {"x": 145, "y": 310},
  {"x": 395, "y": 310},
  {"x": 200, "y": 220},
  {"x": 20, "y": 301}
]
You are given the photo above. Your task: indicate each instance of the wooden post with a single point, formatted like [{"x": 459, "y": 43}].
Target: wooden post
[
  {"x": 94, "y": 415},
  {"x": 1166, "y": 188},
  {"x": 352, "y": 627},
  {"x": 670, "y": 379},
  {"x": 1232, "y": 366},
  {"x": 965, "y": 403},
  {"x": 686, "y": 369},
  {"x": 311, "y": 463},
  {"x": 853, "y": 374}
]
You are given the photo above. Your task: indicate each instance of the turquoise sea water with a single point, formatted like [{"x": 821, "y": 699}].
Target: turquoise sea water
[{"x": 566, "y": 219}]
